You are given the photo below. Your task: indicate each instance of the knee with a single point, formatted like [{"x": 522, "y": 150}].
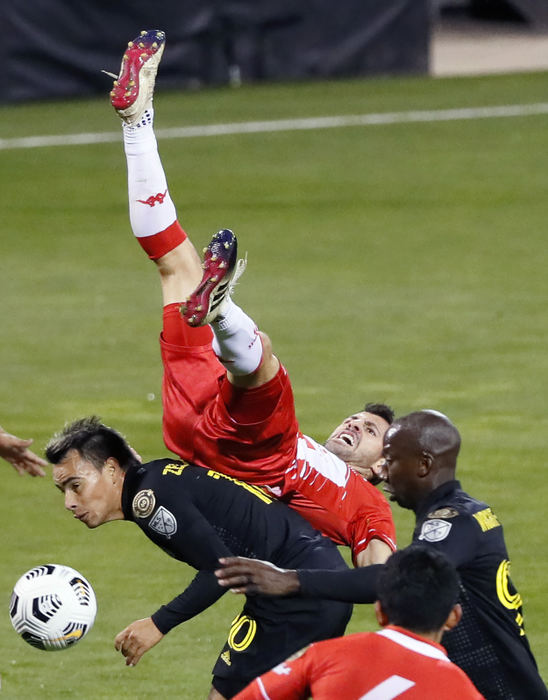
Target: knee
[{"x": 267, "y": 346}]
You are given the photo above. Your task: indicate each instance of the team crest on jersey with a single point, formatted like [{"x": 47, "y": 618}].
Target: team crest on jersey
[
  {"x": 143, "y": 503},
  {"x": 435, "y": 530},
  {"x": 444, "y": 513},
  {"x": 163, "y": 522}
]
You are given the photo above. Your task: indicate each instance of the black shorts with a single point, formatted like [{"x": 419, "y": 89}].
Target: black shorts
[{"x": 269, "y": 630}]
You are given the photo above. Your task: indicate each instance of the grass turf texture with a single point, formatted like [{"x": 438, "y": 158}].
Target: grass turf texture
[{"x": 402, "y": 263}]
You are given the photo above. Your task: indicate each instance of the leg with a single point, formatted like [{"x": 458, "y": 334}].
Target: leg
[
  {"x": 241, "y": 348},
  {"x": 152, "y": 213},
  {"x": 215, "y": 695}
]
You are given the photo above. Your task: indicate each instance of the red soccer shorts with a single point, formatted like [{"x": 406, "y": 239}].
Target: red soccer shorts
[{"x": 207, "y": 422}]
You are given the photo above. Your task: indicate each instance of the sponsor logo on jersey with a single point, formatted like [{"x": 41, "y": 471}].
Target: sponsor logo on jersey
[
  {"x": 163, "y": 522},
  {"x": 143, "y": 503},
  {"x": 444, "y": 513},
  {"x": 487, "y": 519},
  {"x": 225, "y": 656},
  {"x": 435, "y": 530}
]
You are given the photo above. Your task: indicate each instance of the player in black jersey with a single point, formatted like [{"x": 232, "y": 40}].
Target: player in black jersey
[
  {"x": 489, "y": 643},
  {"x": 198, "y": 515}
]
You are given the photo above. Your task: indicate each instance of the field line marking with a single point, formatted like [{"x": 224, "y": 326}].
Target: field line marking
[{"x": 303, "y": 124}]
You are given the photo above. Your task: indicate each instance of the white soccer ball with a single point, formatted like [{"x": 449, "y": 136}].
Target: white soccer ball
[{"x": 52, "y": 607}]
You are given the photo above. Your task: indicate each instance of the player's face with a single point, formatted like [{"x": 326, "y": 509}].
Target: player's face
[
  {"x": 92, "y": 495},
  {"x": 358, "y": 441},
  {"x": 399, "y": 469}
]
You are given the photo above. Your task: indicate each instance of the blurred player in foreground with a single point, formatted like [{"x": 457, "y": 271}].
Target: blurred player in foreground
[
  {"x": 198, "y": 515},
  {"x": 417, "y": 592},
  {"x": 227, "y": 400},
  {"x": 16, "y": 451},
  {"x": 489, "y": 644}
]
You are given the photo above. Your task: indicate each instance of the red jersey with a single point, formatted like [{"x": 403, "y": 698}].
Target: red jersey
[
  {"x": 384, "y": 665},
  {"x": 337, "y": 500},
  {"x": 264, "y": 446}
]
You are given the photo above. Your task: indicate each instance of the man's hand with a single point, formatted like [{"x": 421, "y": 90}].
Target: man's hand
[
  {"x": 254, "y": 577},
  {"x": 136, "y": 639},
  {"x": 15, "y": 451}
]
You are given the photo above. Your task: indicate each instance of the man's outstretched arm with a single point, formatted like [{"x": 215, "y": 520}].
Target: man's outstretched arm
[
  {"x": 16, "y": 451},
  {"x": 254, "y": 577}
]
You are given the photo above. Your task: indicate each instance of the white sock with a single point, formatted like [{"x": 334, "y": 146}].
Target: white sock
[
  {"x": 151, "y": 209},
  {"x": 236, "y": 341}
]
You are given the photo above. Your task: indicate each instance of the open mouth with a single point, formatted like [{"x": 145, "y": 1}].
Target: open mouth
[{"x": 348, "y": 437}]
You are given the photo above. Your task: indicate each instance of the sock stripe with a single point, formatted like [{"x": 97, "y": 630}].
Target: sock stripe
[{"x": 159, "y": 244}]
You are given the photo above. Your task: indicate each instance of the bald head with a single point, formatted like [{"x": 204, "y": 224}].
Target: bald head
[
  {"x": 432, "y": 432},
  {"x": 420, "y": 451}
]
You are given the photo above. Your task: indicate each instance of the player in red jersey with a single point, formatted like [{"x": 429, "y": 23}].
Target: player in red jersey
[
  {"x": 417, "y": 594},
  {"x": 227, "y": 400}
]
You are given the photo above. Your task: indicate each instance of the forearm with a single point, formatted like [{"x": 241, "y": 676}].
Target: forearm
[
  {"x": 352, "y": 586},
  {"x": 376, "y": 552},
  {"x": 199, "y": 595}
]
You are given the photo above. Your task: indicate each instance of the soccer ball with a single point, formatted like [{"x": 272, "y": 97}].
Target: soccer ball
[{"x": 52, "y": 607}]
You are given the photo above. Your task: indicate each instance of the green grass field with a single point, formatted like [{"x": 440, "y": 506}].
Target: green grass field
[{"x": 404, "y": 263}]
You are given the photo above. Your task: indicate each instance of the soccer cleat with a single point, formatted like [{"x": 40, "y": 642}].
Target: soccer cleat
[
  {"x": 221, "y": 272},
  {"x": 133, "y": 89}
]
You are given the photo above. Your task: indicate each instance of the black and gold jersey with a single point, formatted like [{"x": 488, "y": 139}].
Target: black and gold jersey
[
  {"x": 489, "y": 643},
  {"x": 198, "y": 515}
]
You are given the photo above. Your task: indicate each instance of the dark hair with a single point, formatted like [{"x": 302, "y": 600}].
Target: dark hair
[
  {"x": 417, "y": 588},
  {"x": 94, "y": 441},
  {"x": 380, "y": 409}
]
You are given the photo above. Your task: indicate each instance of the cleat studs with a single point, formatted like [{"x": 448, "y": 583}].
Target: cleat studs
[
  {"x": 143, "y": 55},
  {"x": 125, "y": 57},
  {"x": 226, "y": 245},
  {"x": 131, "y": 83},
  {"x": 141, "y": 45},
  {"x": 154, "y": 45},
  {"x": 199, "y": 307},
  {"x": 130, "y": 45},
  {"x": 143, "y": 32},
  {"x": 222, "y": 265},
  {"x": 115, "y": 82},
  {"x": 214, "y": 279}
]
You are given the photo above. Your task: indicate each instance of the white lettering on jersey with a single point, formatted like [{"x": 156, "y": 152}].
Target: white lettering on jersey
[
  {"x": 163, "y": 522},
  {"x": 282, "y": 670},
  {"x": 435, "y": 530},
  {"x": 313, "y": 459},
  {"x": 388, "y": 689}
]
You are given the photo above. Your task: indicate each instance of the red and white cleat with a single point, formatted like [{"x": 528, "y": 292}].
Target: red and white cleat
[
  {"x": 133, "y": 89},
  {"x": 222, "y": 269}
]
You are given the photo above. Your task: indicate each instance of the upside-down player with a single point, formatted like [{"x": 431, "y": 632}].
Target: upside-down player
[{"x": 227, "y": 399}]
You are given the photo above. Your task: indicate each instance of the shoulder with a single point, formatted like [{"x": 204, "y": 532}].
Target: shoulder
[
  {"x": 459, "y": 514},
  {"x": 460, "y": 506}
]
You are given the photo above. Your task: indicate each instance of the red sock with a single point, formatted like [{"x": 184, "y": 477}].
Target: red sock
[{"x": 159, "y": 244}]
